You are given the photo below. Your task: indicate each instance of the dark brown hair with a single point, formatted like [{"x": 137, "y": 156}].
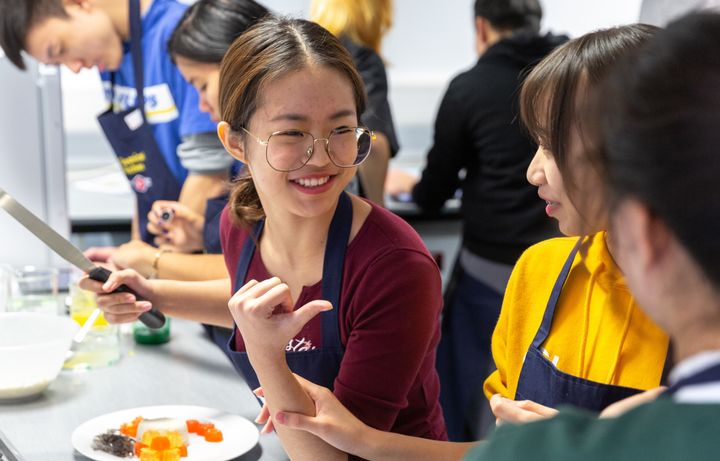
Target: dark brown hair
[
  {"x": 271, "y": 49},
  {"x": 17, "y": 17},
  {"x": 549, "y": 97},
  {"x": 660, "y": 114}
]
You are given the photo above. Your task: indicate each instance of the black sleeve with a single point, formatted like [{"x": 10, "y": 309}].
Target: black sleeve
[
  {"x": 377, "y": 115},
  {"x": 446, "y": 158}
]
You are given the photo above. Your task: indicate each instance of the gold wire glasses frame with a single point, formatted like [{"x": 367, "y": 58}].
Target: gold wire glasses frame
[{"x": 290, "y": 150}]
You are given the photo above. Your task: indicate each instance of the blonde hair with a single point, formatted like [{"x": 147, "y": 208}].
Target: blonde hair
[{"x": 364, "y": 22}]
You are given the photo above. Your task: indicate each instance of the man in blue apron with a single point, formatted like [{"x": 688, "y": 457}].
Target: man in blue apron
[{"x": 167, "y": 148}]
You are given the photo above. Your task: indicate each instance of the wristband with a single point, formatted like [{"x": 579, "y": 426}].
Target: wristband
[{"x": 156, "y": 262}]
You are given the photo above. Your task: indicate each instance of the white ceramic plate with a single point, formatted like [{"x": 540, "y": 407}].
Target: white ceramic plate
[{"x": 239, "y": 434}]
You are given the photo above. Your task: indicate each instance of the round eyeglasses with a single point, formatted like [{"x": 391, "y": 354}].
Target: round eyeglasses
[{"x": 290, "y": 150}]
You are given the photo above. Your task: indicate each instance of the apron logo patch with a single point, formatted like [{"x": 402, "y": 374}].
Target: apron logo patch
[
  {"x": 160, "y": 105},
  {"x": 299, "y": 345},
  {"x": 133, "y": 163},
  {"x": 141, "y": 183}
]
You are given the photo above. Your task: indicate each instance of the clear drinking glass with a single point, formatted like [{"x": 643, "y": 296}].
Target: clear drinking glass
[
  {"x": 33, "y": 289},
  {"x": 101, "y": 345}
]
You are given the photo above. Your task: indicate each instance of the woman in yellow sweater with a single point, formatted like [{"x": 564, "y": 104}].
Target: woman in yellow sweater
[{"x": 570, "y": 331}]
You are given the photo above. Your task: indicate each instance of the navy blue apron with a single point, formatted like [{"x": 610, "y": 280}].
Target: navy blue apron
[
  {"x": 133, "y": 141},
  {"x": 541, "y": 382},
  {"x": 212, "y": 245},
  {"x": 321, "y": 365},
  {"x": 707, "y": 376}
]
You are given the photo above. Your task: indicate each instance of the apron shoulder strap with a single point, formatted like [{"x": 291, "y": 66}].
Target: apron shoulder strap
[
  {"x": 333, "y": 265},
  {"x": 135, "y": 19},
  {"x": 136, "y": 53},
  {"x": 546, "y": 324}
]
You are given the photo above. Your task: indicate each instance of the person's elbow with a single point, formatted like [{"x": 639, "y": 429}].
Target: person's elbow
[{"x": 203, "y": 154}]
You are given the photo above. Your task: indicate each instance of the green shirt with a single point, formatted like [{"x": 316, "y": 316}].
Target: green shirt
[{"x": 662, "y": 430}]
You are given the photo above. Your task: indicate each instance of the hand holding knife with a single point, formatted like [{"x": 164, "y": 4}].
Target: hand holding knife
[{"x": 153, "y": 318}]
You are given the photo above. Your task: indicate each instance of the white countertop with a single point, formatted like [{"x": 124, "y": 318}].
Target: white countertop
[{"x": 189, "y": 370}]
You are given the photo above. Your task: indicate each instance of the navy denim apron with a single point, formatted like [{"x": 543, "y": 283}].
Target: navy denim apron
[
  {"x": 132, "y": 139},
  {"x": 541, "y": 382},
  {"x": 321, "y": 365}
]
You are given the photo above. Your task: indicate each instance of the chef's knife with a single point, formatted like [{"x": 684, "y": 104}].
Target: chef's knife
[{"x": 61, "y": 246}]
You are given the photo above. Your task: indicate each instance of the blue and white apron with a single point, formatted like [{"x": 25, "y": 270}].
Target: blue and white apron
[{"x": 132, "y": 139}]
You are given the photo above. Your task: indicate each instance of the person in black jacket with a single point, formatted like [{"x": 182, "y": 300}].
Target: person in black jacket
[{"x": 477, "y": 130}]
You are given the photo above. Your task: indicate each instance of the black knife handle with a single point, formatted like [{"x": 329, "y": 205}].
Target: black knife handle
[{"x": 152, "y": 318}]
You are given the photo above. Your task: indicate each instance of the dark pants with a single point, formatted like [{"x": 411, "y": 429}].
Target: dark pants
[{"x": 464, "y": 358}]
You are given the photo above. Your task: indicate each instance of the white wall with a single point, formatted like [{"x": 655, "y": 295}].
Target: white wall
[{"x": 429, "y": 43}]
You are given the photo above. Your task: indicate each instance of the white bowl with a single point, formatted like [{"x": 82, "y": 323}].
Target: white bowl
[{"x": 33, "y": 348}]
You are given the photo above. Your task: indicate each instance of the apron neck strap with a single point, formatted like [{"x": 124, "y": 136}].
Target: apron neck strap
[
  {"x": 135, "y": 19},
  {"x": 546, "y": 324},
  {"x": 333, "y": 265}
]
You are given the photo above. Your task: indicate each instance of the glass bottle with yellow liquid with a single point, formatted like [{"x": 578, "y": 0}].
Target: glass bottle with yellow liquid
[{"x": 101, "y": 345}]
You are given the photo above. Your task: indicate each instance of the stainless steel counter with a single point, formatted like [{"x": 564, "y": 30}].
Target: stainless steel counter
[{"x": 189, "y": 370}]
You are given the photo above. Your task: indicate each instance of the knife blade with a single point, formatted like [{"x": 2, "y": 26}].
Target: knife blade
[{"x": 69, "y": 252}]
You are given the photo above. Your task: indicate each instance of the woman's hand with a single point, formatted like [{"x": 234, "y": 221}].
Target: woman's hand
[
  {"x": 135, "y": 254},
  {"x": 182, "y": 231},
  {"x": 332, "y": 421},
  {"x": 264, "y": 416},
  {"x": 622, "y": 406},
  {"x": 121, "y": 307},
  {"x": 264, "y": 314},
  {"x": 399, "y": 182},
  {"x": 518, "y": 412}
]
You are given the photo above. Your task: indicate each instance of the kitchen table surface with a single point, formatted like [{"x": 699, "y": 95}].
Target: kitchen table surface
[{"x": 188, "y": 370}]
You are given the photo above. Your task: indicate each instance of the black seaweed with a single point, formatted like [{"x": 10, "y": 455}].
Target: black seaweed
[{"x": 115, "y": 444}]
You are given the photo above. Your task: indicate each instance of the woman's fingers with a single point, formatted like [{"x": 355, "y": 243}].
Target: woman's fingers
[
  {"x": 251, "y": 297},
  {"x": 86, "y": 283},
  {"x": 535, "y": 407},
  {"x": 247, "y": 286},
  {"x": 276, "y": 300},
  {"x": 263, "y": 416},
  {"x": 268, "y": 427},
  {"x": 299, "y": 421},
  {"x": 304, "y": 314},
  {"x": 518, "y": 412},
  {"x": 127, "y": 277}
]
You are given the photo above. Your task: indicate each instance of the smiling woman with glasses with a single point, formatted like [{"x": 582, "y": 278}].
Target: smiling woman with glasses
[{"x": 324, "y": 284}]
